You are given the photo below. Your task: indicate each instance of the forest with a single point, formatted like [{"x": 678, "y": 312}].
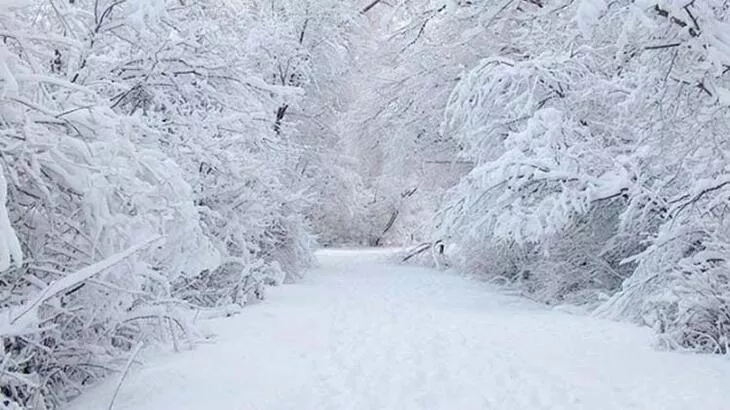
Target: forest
[{"x": 164, "y": 161}]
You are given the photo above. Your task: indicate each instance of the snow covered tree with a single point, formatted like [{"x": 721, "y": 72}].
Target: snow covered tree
[
  {"x": 589, "y": 123},
  {"x": 392, "y": 130}
]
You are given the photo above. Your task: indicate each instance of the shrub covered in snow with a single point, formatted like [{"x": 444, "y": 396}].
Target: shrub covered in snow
[{"x": 601, "y": 164}]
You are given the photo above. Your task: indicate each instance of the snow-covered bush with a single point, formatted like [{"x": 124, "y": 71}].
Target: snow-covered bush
[
  {"x": 546, "y": 183},
  {"x": 196, "y": 78},
  {"x": 597, "y": 131},
  {"x": 85, "y": 185}
]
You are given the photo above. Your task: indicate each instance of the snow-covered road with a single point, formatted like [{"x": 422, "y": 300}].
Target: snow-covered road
[{"x": 358, "y": 333}]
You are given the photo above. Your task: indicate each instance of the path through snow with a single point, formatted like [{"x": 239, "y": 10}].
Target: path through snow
[{"x": 358, "y": 333}]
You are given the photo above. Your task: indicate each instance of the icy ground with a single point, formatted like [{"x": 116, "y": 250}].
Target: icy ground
[{"x": 359, "y": 333}]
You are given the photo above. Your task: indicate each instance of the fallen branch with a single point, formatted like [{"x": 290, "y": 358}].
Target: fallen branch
[{"x": 417, "y": 251}]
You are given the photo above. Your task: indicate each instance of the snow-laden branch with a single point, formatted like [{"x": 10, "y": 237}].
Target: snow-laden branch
[{"x": 23, "y": 315}]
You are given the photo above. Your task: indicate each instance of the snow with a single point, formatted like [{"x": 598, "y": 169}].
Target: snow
[
  {"x": 10, "y": 251},
  {"x": 588, "y": 14},
  {"x": 360, "y": 333}
]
